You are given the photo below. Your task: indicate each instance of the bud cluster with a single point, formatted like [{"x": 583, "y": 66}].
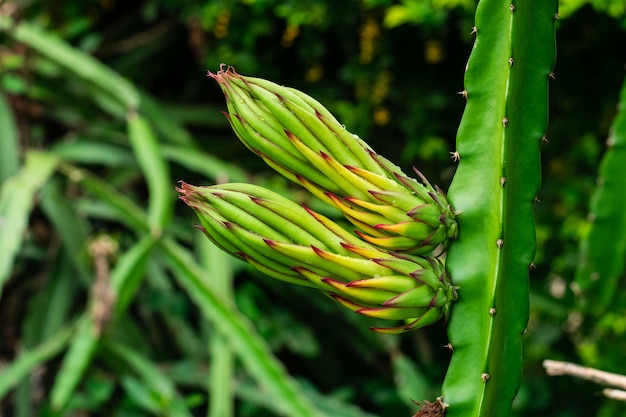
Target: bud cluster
[
  {"x": 386, "y": 268},
  {"x": 295, "y": 244},
  {"x": 300, "y": 139}
]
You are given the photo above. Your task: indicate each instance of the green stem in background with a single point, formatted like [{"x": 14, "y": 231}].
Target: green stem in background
[
  {"x": 146, "y": 147},
  {"x": 19, "y": 369},
  {"x": 603, "y": 248},
  {"x": 249, "y": 347},
  {"x": 494, "y": 190},
  {"x": 9, "y": 142},
  {"x": 86, "y": 338},
  {"x": 76, "y": 62},
  {"x": 157, "y": 392},
  {"x": 219, "y": 276},
  {"x": 16, "y": 202},
  {"x": 252, "y": 350}
]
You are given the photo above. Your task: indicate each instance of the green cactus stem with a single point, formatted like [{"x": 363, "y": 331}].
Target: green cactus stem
[
  {"x": 603, "y": 247},
  {"x": 494, "y": 190},
  {"x": 294, "y": 244}
]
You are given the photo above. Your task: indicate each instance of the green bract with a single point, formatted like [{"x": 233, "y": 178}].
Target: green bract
[
  {"x": 300, "y": 139},
  {"x": 295, "y": 244}
]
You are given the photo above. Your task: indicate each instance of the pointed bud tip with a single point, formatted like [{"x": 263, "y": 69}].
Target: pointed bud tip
[
  {"x": 334, "y": 282},
  {"x": 229, "y": 225},
  {"x": 200, "y": 227},
  {"x": 349, "y": 246},
  {"x": 420, "y": 175},
  {"x": 319, "y": 252},
  {"x": 183, "y": 186},
  {"x": 325, "y": 156},
  {"x": 219, "y": 75},
  {"x": 271, "y": 243}
]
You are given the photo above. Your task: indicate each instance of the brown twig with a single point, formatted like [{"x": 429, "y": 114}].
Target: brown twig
[
  {"x": 590, "y": 374},
  {"x": 615, "y": 394},
  {"x": 103, "y": 297}
]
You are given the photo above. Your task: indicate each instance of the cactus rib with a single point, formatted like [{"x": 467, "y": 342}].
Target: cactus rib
[
  {"x": 499, "y": 135},
  {"x": 603, "y": 248}
]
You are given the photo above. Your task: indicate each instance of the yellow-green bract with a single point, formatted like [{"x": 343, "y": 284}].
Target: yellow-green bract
[
  {"x": 295, "y": 244},
  {"x": 300, "y": 139}
]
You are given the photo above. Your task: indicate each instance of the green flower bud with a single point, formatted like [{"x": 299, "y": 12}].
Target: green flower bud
[
  {"x": 300, "y": 139},
  {"x": 295, "y": 244}
]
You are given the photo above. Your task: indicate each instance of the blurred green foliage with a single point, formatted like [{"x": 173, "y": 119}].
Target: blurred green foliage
[{"x": 112, "y": 304}]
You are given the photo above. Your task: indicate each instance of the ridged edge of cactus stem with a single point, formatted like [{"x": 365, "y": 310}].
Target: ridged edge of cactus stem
[
  {"x": 494, "y": 190},
  {"x": 603, "y": 248}
]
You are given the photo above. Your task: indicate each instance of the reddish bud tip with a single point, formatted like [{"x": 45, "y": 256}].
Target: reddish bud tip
[
  {"x": 270, "y": 243},
  {"x": 258, "y": 200},
  {"x": 419, "y": 174},
  {"x": 318, "y": 251},
  {"x": 333, "y": 282}
]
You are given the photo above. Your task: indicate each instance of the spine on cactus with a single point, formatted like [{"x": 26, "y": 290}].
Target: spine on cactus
[
  {"x": 494, "y": 190},
  {"x": 603, "y": 248}
]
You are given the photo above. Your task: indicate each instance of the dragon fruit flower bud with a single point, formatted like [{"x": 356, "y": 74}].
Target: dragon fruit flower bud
[
  {"x": 292, "y": 243},
  {"x": 300, "y": 139}
]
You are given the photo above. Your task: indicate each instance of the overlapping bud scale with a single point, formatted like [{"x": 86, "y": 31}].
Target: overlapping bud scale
[
  {"x": 299, "y": 138},
  {"x": 295, "y": 244}
]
